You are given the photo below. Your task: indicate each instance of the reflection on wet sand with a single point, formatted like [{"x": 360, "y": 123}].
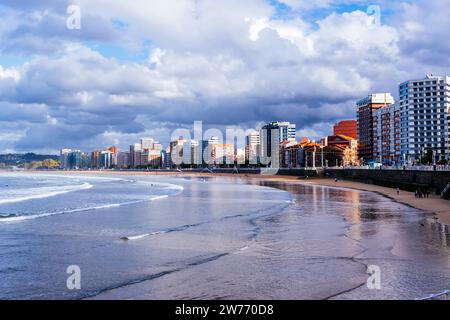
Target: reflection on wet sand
[
  {"x": 441, "y": 231},
  {"x": 411, "y": 247}
]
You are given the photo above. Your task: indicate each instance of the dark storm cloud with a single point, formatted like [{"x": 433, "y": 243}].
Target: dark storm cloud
[
  {"x": 31, "y": 113},
  {"x": 225, "y": 63}
]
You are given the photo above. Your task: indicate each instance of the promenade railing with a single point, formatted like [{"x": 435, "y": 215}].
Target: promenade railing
[
  {"x": 408, "y": 168},
  {"x": 440, "y": 296}
]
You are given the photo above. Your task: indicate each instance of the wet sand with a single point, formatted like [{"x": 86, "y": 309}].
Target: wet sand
[{"x": 433, "y": 204}]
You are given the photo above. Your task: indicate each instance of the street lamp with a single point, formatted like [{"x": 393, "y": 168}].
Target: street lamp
[
  {"x": 314, "y": 158},
  {"x": 321, "y": 150}
]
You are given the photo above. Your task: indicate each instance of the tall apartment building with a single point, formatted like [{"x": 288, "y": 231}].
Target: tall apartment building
[
  {"x": 252, "y": 147},
  {"x": 115, "y": 151},
  {"x": 365, "y": 111},
  {"x": 270, "y": 145},
  {"x": 191, "y": 152},
  {"x": 176, "y": 151},
  {"x": 95, "y": 159},
  {"x": 135, "y": 155},
  {"x": 74, "y": 159},
  {"x": 287, "y": 130},
  {"x": 386, "y": 133},
  {"x": 123, "y": 159},
  {"x": 210, "y": 153},
  {"x": 147, "y": 143},
  {"x": 224, "y": 153},
  {"x": 271, "y": 136},
  {"x": 64, "y": 158},
  {"x": 151, "y": 158},
  {"x": 204, "y": 150},
  {"x": 197, "y": 152},
  {"x": 424, "y": 119},
  {"x": 106, "y": 159}
]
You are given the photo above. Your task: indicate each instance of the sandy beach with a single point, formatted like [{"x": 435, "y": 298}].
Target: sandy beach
[{"x": 434, "y": 204}]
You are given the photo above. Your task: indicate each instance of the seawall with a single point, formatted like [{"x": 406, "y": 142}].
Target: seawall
[{"x": 435, "y": 181}]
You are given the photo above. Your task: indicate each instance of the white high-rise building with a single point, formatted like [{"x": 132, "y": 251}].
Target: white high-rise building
[
  {"x": 135, "y": 155},
  {"x": 147, "y": 143},
  {"x": 424, "y": 119},
  {"x": 252, "y": 147},
  {"x": 64, "y": 161},
  {"x": 187, "y": 152},
  {"x": 287, "y": 130},
  {"x": 196, "y": 151}
]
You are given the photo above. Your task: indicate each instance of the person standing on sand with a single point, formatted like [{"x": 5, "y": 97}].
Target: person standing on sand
[{"x": 398, "y": 191}]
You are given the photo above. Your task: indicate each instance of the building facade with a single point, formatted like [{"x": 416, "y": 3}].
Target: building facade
[
  {"x": 135, "y": 155},
  {"x": 252, "y": 147},
  {"x": 64, "y": 160},
  {"x": 123, "y": 159},
  {"x": 424, "y": 120},
  {"x": 270, "y": 146},
  {"x": 386, "y": 134},
  {"x": 347, "y": 145},
  {"x": 365, "y": 111},
  {"x": 347, "y": 128}
]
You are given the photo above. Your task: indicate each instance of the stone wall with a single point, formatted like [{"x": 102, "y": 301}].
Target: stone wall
[{"x": 436, "y": 181}]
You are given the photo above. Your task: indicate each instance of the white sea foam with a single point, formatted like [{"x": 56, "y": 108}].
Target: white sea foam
[
  {"x": 20, "y": 195},
  {"x": 18, "y": 218},
  {"x": 25, "y": 194},
  {"x": 141, "y": 236},
  {"x": 49, "y": 214}
]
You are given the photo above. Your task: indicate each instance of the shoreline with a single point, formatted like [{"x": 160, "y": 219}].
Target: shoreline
[{"x": 432, "y": 205}]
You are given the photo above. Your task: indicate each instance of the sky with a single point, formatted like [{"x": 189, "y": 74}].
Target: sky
[{"x": 144, "y": 68}]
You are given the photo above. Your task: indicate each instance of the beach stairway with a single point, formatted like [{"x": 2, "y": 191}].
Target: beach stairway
[{"x": 446, "y": 192}]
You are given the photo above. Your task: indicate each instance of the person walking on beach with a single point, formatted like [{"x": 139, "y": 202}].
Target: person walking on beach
[{"x": 398, "y": 191}]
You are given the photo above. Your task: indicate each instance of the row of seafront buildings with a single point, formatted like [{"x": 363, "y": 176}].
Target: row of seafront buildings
[
  {"x": 274, "y": 145},
  {"x": 146, "y": 153},
  {"x": 413, "y": 130}
]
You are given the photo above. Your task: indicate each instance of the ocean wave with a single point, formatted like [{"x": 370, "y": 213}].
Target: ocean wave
[
  {"x": 141, "y": 236},
  {"x": 19, "y": 218},
  {"x": 19, "y": 195},
  {"x": 43, "y": 192}
]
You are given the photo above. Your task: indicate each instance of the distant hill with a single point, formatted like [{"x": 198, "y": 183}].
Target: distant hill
[{"x": 17, "y": 159}]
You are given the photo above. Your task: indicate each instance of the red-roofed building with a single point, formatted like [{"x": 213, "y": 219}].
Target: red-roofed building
[{"x": 349, "y": 146}]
